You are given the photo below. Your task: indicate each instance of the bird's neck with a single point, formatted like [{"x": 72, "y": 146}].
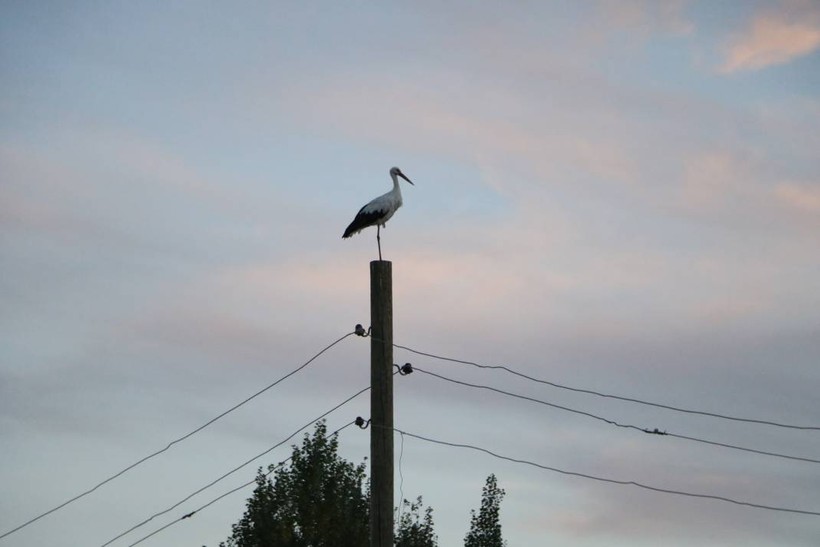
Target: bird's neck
[{"x": 396, "y": 188}]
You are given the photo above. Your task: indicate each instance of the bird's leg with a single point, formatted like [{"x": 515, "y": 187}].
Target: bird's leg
[{"x": 379, "y": 241}]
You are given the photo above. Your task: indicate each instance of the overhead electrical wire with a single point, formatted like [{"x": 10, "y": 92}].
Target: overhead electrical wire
[
  {"x": 526, "y": 398},
  {"x": 609, "y": 395},
  {"x": 175, "y": 441},
  {"x": 401, "y": 482},
  {"x": 654, "y": 431},
  {"x": 359, "y": 332},
  {"x": 609, "y": 480},
  {"x": 235, "y": 469},
  {"x": 226, "y": 494}
]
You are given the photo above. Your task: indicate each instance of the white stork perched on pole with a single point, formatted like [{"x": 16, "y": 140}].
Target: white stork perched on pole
[{"x": 378, "y": 211}]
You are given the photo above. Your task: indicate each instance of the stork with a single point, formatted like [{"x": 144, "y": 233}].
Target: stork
[{"x": 378, "y": 211}]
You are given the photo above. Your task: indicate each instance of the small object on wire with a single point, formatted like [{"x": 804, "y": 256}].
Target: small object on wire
[
  {"x": 655, "y": 431},
  {"x": 405, "y": 369},
  {"x": 359, "y": 330},
  {"x": 189, "y": 515},
  {"x": 361, "y": 423}
]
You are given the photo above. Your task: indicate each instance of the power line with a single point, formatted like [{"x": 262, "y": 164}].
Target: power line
[
  {"x": 755, "y": 451},
  {"x": 226, "y": 494},
  {"x": 612, "y": 481},
  {"x": 532, "y": 399},
  {"x": 608, "y": 395},
  {"x": 175, "y": 441},
  {"x": 401, "y": 481},
  {"x": 612, "y": 422},
  {"x": 235, "y": 469}
]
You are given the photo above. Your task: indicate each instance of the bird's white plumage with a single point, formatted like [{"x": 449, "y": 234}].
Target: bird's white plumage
[{"x": 385, "y": 205}]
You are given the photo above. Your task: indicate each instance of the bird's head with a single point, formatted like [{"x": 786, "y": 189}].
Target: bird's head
[{"x": 396, "y": 172}]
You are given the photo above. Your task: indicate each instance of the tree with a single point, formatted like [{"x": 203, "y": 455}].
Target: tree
[
  {"x": 318, "y": 500},
  {"x": 485, "y": 527},
  {"x": 415, "y": 530}
]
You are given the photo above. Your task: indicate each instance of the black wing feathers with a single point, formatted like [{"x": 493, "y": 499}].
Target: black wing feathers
[{"x": 363, "y": 220}]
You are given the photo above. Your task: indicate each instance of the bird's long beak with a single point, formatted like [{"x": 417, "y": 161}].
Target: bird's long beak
[{"x": 405, "y": 178}]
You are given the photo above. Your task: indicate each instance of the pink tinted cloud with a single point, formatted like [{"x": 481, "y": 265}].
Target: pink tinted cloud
[
  {"x": 775, "y": 39},
  {"x": 799, "y": 197},
  {"x": 744, "y": 188},
  {"x": 341, "y": 280}
]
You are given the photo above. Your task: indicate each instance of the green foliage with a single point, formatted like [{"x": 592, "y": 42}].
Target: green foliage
[
  {"x": 414, "y": 529},
  {"x": 485, "y": 527},
  {"x": 318, "y": 500}
]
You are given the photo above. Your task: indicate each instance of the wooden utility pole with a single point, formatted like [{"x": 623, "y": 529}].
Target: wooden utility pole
[{"x": 381, "y": 404}]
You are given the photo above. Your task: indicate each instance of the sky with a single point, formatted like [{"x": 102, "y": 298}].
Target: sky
[{"x": 616, "y": 196}]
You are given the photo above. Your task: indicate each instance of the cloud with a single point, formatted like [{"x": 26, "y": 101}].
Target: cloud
[
  {"x": 741, "y": 187},
  {"x": 483, "y": 126},
  {"x": 642, "y": 516},
  {"x": 800, "y": 197},
  {"x": 708, "y": 179},
  {"x": 642, "y": 16},
  {"x": 774, "y": 39}
]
